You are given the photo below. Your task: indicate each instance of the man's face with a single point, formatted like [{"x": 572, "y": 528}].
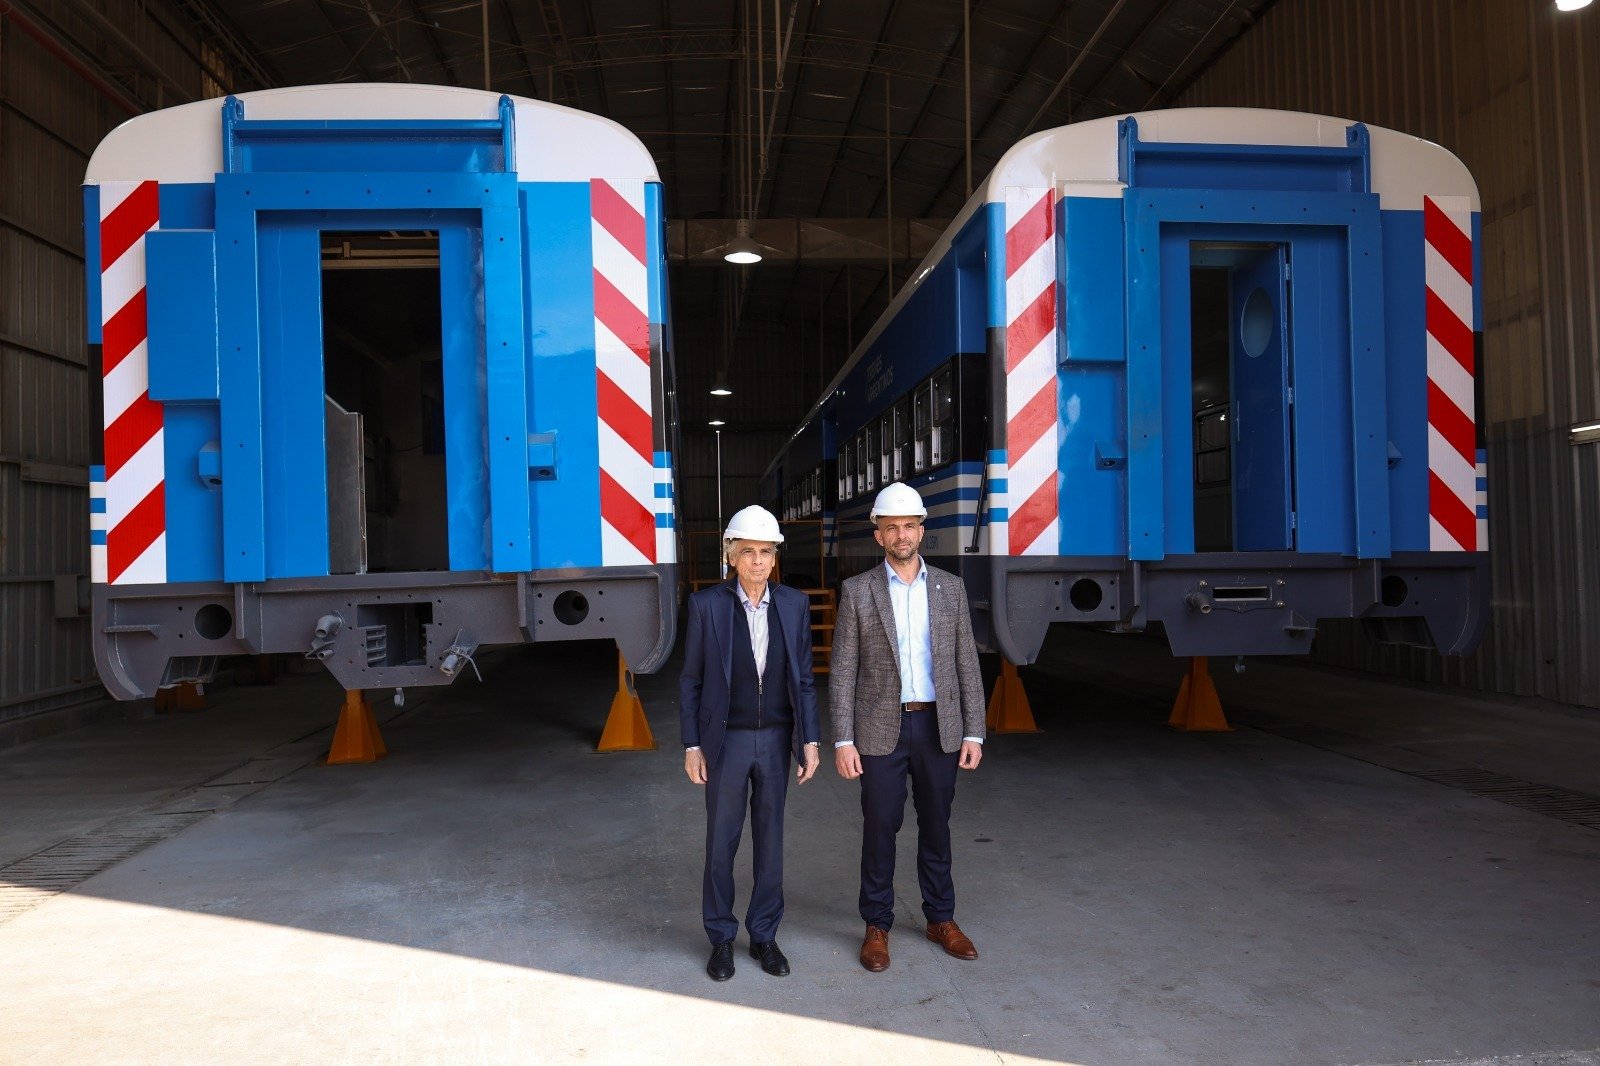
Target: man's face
[
  {"x": 752, "y": 559},
  {"x": 899, "y": 536}
]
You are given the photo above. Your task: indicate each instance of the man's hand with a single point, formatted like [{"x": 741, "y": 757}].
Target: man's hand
[
  {"x": 847, "y": 760},
  {"x": 971, "y": 755},
  {"x": 807, "y": 769},
  {"x": 694, "y": 764}
]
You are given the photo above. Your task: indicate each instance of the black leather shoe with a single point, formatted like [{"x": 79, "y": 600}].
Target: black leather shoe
[
  {"x": 721, "y": 965},
  {"x": 770, "y": 957}
]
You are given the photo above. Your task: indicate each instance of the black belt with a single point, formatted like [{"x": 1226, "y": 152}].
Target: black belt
[{"x": 930, "y": 705}]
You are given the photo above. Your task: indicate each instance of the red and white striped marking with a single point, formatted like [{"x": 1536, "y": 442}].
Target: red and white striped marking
[
  {"x": 135, "y": 488},
  {"x": 622, "y": 373},
  {"x": 1032, "y": 519},
  {"x": 1452, "y": 412}
]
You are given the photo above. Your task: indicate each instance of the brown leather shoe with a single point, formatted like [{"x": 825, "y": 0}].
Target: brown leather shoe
[
  {"x": 875, "y": 949},
  {"x": 949, "y": 936}
]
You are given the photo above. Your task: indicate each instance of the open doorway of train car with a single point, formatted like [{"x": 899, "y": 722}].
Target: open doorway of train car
[
  {"x": 381, "y": 343},
  {"x": 1239, "y": 329}
]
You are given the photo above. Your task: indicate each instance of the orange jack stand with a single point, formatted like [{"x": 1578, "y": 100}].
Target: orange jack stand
[
  {"x": 1198, "y": 709},
  {"x": 188, "y": 696},
  {"x": 1009, "y": 710},
  {"x": 626, "y": 728},
  {"x": 356, "y": 737}
]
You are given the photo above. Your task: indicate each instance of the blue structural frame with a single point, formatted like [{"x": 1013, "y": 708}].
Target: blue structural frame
[
  {"x": 1211, "y": 195},
  {"x": 236, "y": 348}
]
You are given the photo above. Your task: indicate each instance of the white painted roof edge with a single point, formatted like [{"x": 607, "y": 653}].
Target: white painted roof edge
[
  {"x": 553, "y": 143},
  {"x": 1082, "y": 159}
]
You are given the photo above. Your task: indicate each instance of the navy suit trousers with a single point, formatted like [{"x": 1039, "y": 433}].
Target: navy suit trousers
[
  {"x": 752, "y": 769},
  {"x": 932, "y": 773}
]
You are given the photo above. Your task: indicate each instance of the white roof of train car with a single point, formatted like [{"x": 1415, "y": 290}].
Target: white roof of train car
[
  {"x": 553, "y": 143},
  {"x": 1082, "y": 160}
]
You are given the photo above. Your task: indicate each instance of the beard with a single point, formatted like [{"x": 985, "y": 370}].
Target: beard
[{"x": 902, "y": 552}]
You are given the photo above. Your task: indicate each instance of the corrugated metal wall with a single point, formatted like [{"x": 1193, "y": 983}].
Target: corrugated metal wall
[
  {"x": 50, "y": 120},
  {"x": 1513, "y": 88}
]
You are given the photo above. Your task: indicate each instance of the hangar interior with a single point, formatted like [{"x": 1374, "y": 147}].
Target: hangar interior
[{"x": 1389, "y": 858}]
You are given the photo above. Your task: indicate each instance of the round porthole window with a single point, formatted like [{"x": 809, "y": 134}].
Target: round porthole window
[{"x": 1256, "y": 323}]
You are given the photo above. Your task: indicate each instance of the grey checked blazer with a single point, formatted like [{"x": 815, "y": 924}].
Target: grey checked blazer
[{"x": 864, "y": 670}]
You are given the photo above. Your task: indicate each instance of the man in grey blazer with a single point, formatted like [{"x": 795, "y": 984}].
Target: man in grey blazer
[{"x": 906, "y": 699}]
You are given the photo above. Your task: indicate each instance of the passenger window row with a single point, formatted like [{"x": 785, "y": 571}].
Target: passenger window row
[{"x": 916, "y": 434}]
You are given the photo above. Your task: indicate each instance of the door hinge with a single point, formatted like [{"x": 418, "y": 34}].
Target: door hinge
[
  {"x": 1290, "y": 393},
  {"x": 1294, "y": 520}
]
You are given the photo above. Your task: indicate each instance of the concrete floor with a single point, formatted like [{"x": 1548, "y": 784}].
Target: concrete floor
[{"x": 1286, "y": 893}]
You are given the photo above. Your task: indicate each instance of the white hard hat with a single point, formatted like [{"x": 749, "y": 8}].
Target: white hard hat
[
  {"x": 753, "y": 523},
  {"x": 897, "y": 500}
]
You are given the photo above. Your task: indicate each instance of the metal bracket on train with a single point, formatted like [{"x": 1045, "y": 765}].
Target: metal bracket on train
[
  {"x": 324, "y": 636},
  {"x": 460, "y": 651}
]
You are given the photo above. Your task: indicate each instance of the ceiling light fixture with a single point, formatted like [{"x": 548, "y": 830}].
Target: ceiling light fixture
[
  {"x": 716, "y": 422},
  {"x": 719, "y": 385},
  {"x": 1587, "y": 433},
  {"x": 1572, "y": 5},
  {"x": 742, "y": 250}
]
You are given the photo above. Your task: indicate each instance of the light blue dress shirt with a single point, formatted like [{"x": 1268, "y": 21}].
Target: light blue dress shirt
[
  {"x": 756, "y": 615},
  {"x": 913, "y": 635}
]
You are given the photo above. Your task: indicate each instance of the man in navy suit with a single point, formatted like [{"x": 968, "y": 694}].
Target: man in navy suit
[{"x": 748, "y": 699}]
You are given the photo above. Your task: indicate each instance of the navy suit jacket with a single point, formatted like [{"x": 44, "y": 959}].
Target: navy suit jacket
[{"x": 716, "y": 620}]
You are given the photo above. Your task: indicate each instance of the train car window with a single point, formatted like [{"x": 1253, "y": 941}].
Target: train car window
[
  {"x": 847, "y": 467},
  {"x": 886, "y": 447},
  {"x": 902, "y": 438},
  {"x": 869, "y": 454},
  {"x": 864, "y": 479},
  {"x": 944, "y": 417},
  {"x": 923, "y": 428}
]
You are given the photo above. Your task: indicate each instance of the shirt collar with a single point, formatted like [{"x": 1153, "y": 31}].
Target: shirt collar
[
  {"x": 922, "y": 572},
  {"x": 766, "y": 595}
]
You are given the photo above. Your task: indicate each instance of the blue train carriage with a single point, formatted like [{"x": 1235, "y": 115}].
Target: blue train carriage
[
  {"x": 1208, "y": 368},
  {"x": 385, "y": 378}
]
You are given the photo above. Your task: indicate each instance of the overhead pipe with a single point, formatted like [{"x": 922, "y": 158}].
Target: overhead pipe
[{"x": 64, "y": 51}]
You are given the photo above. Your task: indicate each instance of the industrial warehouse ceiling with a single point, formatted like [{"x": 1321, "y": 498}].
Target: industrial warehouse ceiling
[{"x": 835, "y": 110}]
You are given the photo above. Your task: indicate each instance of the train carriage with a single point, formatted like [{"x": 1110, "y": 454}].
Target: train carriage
[
  {"x": 1209, "y": 368},
  {"x": 386, "y": 376}
]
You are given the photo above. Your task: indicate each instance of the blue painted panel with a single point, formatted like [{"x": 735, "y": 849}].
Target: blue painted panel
[
  {"x": 561, "y": 376},
  {"x": 1369, "y": 454},
  {"x": 922, "y": 335},
  {"x": 970, "y": 247},
  {"x": 194, "y": 511},
  {"x": 466, "y": 420},
  {"x": 1263, "y": 495},
  {"x": 1092, "y": 280},
  {"x": 1221, "y": 215},
  {"x": 655, "y": 221},
  {"x": 1176, "y": 420},
  {"x": 1321, "y": 375},
  {"x": 191, "y": 205},
  {"x": 1093, "y": 516},
  {"x": 294, "y": 448},
  {"x": 1146, "y": 474},
  {"x": 181, "y": 303},
  {"x": 992, "y": 217},
  {"x": 1216, "y": 167},
  {"x": 1477, "y": 287},
  {"x": 91, "y": 261},
  {"x": 364, "y": 145},
  {"x": 1406, "y": 377},
  {"x": 239, "y": 351},
  {"x": 506, "y": 366}
]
